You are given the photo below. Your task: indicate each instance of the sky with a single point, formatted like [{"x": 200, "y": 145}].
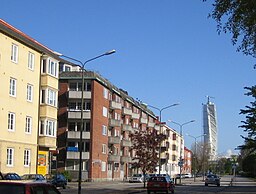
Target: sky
[{"x": 167, "y": 51}]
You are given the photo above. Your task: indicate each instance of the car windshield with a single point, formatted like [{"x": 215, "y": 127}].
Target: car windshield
[{"x": 137, "y": 175}]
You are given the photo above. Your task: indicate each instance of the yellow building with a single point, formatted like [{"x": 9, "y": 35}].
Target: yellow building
[{"x": 28, "y": 102}]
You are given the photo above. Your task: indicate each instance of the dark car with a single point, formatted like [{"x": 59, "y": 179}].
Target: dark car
[
  {"x": 34, "y": 177},
  {"x": 160, "y": 184},
  {"x": 25, "y": 187},
  {"x": 58, "y": 180},
  {"x": 11, "y": 176},
  {"x": 212, "y": 179}
]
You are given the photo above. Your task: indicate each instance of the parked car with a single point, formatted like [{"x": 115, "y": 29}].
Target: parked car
[
  {"x": 58, "y": 180},
  {"x": 212, "y": 179},
  {"x": 160, "y": 184},
  {"x": 34, "y": 177},
  {"x": 188, "y": 175},
  {"x": 25, "y": 187},
  {"x": 11, "y": 176},
  {"x": 138, "y": 178}
]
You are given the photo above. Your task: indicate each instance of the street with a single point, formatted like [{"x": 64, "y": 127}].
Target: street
[{"x": 240, "y": 185}]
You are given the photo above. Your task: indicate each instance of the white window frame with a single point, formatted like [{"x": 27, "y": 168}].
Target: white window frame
[
  {"x": 104, "y": 148},
  {"x": 105, "y": 93},
  {"x": 13, "y": 87},
  {"x": 11, "y": 121},
  {"x": 10, "y": 157},
  {"x": 103, "y": 166},
  {"x": 31, "y": 61},
  {"x": 50, "y": 128},
  {"x": 104, "y": 130},
  {"x": 27, "y": 157},
  {"x": 30, "y": 90},
  {"x": 52, "y": 67},
  {"x": 14, "y": 53},
  {"x": 51, "y": 97},
  {"x": 28, "y": 127},
  {"x": 105, "y": 111}
]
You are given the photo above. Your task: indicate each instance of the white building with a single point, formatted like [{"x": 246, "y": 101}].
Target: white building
[{"x": 210, "y": 128}]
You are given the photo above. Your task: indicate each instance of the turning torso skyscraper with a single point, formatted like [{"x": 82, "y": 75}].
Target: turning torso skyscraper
[{"x": 210, "y": 128}]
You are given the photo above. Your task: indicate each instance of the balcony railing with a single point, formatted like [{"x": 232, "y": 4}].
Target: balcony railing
[
  {"x": 76, "y": 135},
  {"x": 135, "y": 115},
  {"x": 113, "y": 158},
  {"x": 78, "y": 94},
  {"x": 114, "y": 140},
  {"x": 126, "y": 159},
  {"x": 77, "y": 114},
  {"x": 115, "y": 123},
  {"x": 127, "y": 128},
  {"x": 126, "y": 143},
  {"x": 151, "y": 124},
  {"x": 115, "y": 105},
  {"x": 143, "y": 120},
  {"x": 127, "y": 111},
  {"x": 76, "y": 155}
]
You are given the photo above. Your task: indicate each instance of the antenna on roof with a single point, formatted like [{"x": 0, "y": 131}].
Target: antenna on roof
[{"x": 208, "y": 99}]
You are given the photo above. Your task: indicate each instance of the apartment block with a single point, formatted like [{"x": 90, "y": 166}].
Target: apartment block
[
  {"x": 187, "y": 167},
  {"x": 110, "y": 115},
  {"x": 28, "y": 102}
]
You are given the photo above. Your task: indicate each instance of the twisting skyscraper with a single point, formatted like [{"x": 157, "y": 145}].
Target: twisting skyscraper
[{"x": 210, "y": 128}]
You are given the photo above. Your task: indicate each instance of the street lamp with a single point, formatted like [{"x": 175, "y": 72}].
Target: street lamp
[
  {"x": 160, "y": 117},
  {"x": 82, "y": 106},
  {"x": 195, "y": 153},
  {"x": 181, "y": 125}
]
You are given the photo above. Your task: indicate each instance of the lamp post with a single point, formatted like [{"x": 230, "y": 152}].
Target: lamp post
[
  {"x": 160, "y": 117},
  {"x": 181, "y": 126},
  {"x": 195, "y": 153},
  {"x": 82, "y": 109}
]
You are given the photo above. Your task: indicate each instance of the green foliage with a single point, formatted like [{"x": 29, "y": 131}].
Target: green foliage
[
  {"x": 249, "y": 165},
  {"x": 249, "y": 124},
  {"x": 67, "y": 175},
  {"x": 238, "y": 18}
]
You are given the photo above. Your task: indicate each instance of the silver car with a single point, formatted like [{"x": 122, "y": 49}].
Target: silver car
[{"x": 212, "y": 179}]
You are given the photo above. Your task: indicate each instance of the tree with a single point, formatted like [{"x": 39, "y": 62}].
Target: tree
[
  {"x": 145, "y": 144},
  {"x": 249, "y": 124},
  {"x": 238, "y": 18}
]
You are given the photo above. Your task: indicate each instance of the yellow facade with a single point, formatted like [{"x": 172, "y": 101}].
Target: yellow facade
[
  {"x": 18, "y": 139},
  {"x": 28, "y": 102}
]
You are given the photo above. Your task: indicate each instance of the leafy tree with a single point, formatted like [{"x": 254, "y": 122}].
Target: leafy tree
[
  {"x": 238, "y": 18},
  {"x": 249, "y": 124},
  {"x": 145, "y": 144}
]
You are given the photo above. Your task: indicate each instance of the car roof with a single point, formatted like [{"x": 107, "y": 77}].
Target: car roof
[{"x": 21, "y": 182}]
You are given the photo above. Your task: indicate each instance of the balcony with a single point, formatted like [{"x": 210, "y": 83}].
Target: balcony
[
  {"x": 113, "y": 158},
  {"x": 126, "y": 143},
  {"x": 76, "y": 135},
  {"x": 143, "y": 120},
  {"x": 115, "y": 105},
  {"x": 164, "y": 155},
  {"x": 151, "y": 124},
  {"x": 115, "y": 123},
  {"x": 77, "y": 114},
  {"x": 76, "y": 155},
  {"x": 135, "y": 115},
  {"x": 127, "y": 111},
  {"x": 126, "y": 159},
  {"x": 157, "y": 127},
  {"x": 135, "y": 129},
  {"x": 46, "y": 141},
  {"x": 114, "y": 140},
  {"x": 127, "y": 128},
  {"x": 78, "y": 94}
]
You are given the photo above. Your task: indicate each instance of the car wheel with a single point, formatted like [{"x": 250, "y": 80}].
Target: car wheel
[
  {"x": 148, "y": 192},
  {"x": 64, "y": 186},
  {"x": 206, "y": 184},
  {"x": 218, "y": 185}
]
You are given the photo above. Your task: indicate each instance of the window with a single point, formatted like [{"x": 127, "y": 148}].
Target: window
[
  {"x": 105, "y": 93},
  {"x": 51, "y": 99},
  {"x": 174, "y": 136},
  {"x": 105, "y": 112},
  {"x": 29, "y": 93},
  {"x": 41, "y": 129},
  {"x": 31, "y": 61},
  {"x": 104, "y": 148},
  {"x": 12, "y": 89},
  {"x": 50, "y": 128},
  {"x": 11, "y": 121},
  {"x": 28, "y": 127},
  {"x": 103, "y": 166},
  {"x": 26, "y": 157},
  {"x": 14, "y": 54},
  {"x": 104, "y": 130},
  {"x": 10, "y": 156},
  {"x": 52, "y": 67}
]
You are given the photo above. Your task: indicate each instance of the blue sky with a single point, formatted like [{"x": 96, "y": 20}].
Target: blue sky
[{"x": 168, "y": 51}]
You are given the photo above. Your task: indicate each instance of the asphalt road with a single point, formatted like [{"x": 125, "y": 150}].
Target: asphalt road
[{"x": 240, "y": 185}]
